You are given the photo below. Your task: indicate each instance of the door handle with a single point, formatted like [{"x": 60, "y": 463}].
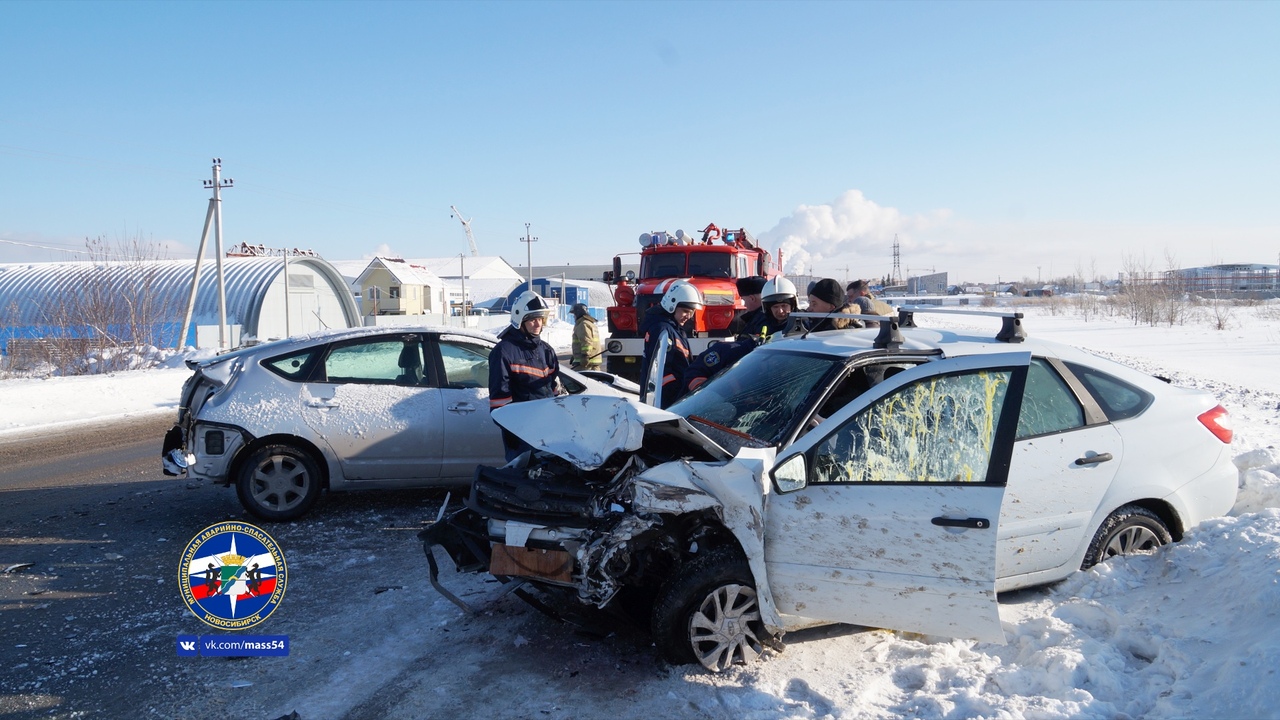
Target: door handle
[
  {"x": 462, "y": 408},
  {"x": 1094, "y": 459},
  {"x": 323, "y": 403},
  {"x": 976, "y": 523}
]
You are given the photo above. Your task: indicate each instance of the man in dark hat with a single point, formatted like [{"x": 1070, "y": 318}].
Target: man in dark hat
[
  {"x": 826, "y": 296},
  {"x": 752, "y": 319}
]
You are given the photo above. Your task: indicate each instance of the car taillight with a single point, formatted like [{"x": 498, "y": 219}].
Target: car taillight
[{"x": 1218, "y": 422}]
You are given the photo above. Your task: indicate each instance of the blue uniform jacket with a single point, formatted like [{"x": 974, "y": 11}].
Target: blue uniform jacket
[
  {"x": 521, "y": 368},
  {"x": 656, "y": 324}
]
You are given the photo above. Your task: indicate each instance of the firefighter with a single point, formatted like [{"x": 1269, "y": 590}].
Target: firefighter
[
  {"x": 522, "y": 366},
  {"x": 586, "y": 340},
  {"x": 778, "y": 300},
  {"x": 666, "y": 347}
]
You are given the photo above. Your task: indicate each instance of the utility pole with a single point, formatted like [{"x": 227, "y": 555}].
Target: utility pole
[
  {"x": 214, "y": 217},
  {"x": 529, "y": 241},
  {"x": 462, "y": 267}
]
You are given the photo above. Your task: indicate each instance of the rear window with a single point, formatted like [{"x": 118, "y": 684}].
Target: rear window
[{"x": 1119, "y": 399}]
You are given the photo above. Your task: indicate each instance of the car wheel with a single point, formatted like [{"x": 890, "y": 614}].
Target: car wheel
[
  {"x": 278, "y": 482},
  {"x": 708, "y": 613},
  {"x": 1130, "y": 530}
]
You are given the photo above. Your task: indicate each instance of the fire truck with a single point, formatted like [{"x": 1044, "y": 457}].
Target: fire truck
[{"x": 712, "y": 264}]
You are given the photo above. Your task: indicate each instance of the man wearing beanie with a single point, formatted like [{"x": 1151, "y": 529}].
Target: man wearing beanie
[
  {"x": 826, "y": 296},
  {"x": 752, "y": 320}
]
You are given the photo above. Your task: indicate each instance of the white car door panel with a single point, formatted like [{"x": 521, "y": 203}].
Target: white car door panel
[
  {"x": 1056, "y": 483},
  {"x": 872, "y": 556},
  {"x": 896, "y": 523}
]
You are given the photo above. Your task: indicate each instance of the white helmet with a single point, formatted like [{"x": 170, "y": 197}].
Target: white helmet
[
  {"x": 778, "y": 289},
  {"x": 529, "y": 305},
  {"x": 681, "y": 295}
]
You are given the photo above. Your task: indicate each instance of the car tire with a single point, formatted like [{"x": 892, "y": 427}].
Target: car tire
[
  {"x": 1128, "y": 531},
  {"x": 278, "y": 482},
  {"x": 708, "y": 613}
]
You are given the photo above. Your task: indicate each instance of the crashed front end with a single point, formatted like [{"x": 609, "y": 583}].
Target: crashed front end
[{"x": 614, "y": 498}]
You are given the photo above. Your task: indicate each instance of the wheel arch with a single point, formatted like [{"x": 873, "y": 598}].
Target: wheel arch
[{"x": 317, "y": 456}]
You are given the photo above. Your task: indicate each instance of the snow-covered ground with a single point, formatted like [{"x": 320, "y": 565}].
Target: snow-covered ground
[{"x": 1192, "y": 631}]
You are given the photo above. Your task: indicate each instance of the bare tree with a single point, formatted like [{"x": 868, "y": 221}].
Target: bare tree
[{"x": 111, "y": 307}]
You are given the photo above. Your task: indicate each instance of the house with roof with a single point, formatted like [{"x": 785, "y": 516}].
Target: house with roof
[{"x": 394, "y": 286}]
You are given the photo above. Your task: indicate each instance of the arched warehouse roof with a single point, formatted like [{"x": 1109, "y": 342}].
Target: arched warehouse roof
[{"x": 149, "y": 298}]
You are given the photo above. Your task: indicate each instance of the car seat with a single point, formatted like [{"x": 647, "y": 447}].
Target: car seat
[{"x": 410, "y": 365}]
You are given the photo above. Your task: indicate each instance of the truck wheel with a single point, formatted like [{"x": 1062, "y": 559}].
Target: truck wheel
[
  {"x": 1131, "y": 530},
  {"x": 708, "y": 613},
  {"x": 278, "y": 482}
]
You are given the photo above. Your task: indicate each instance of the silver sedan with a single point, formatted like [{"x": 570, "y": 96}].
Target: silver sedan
[{"x": 386, "y": 407}]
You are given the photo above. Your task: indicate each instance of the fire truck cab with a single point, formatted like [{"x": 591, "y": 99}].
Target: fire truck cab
[{"x": 712, "y": 263}]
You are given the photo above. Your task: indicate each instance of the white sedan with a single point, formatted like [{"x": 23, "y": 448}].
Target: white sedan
[{"x": 894, "y": 478}]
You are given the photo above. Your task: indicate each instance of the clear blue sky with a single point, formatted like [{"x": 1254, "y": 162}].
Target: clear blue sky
[{"x": 1004, "y": 139}]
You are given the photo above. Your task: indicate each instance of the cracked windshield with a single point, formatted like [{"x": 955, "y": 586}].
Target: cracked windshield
[{"x": 752, "y": 403}]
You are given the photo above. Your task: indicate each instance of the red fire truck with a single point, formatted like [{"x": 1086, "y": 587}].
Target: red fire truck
[{"x": 712, "y": 264}]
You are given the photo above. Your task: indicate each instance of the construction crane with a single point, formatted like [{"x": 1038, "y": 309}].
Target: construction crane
[{"x": 466, "y": 225}]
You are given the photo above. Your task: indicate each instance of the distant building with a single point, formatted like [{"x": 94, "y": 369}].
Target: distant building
[
  {"x": 932, "y": 284},
  {"x": 391, "y": 286},
  {"x": 1230, "y": 278},
  {"x": 145, "y": 301}
]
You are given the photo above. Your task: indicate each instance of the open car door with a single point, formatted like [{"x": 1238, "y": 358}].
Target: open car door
[{"x": 885, "y": 514}]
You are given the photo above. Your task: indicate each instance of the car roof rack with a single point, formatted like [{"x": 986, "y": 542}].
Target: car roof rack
[{"x": 890, "y": 335}]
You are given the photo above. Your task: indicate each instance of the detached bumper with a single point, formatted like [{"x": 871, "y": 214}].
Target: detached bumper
[
  {"x": 172, "y": 458},
  {"x": 462, "y": 536}
]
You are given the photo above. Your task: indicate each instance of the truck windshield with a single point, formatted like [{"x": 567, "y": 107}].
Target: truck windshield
[
  {"x": 754, "y": 402},
  {"x": 700, "y": 264}
]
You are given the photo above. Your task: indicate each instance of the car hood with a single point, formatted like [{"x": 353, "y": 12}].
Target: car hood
[{"x": 586, "y": 429}]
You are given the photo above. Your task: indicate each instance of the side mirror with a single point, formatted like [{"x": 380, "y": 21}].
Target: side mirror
[
  {"x": 791, "y": 475},
  {"x": 617, "y": 268}
]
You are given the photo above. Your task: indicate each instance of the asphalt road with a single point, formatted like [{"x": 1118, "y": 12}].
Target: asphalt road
[{"x": 89, "y": 627}]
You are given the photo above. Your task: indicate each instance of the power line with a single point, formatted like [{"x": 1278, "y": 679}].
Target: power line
[{"x": 41, "y": 247}]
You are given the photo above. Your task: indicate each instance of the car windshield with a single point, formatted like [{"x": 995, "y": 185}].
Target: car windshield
[{"x": 752, "y": 403}]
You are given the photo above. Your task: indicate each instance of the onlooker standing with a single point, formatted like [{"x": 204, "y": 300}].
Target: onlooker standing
[
  {"x": 826, "y": 296},
  {"x": 859, "y": 296},
  {"x": 586, "y": 340}
]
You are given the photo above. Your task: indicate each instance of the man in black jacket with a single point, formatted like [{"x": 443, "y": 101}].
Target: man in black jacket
[{"x": 522, "y": 366}]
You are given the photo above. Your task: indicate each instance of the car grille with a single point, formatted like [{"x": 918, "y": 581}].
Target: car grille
[{"x": 507, "y": 494}]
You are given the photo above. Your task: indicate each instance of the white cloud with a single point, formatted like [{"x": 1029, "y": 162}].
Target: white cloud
[{"x": 852, "y": 228}]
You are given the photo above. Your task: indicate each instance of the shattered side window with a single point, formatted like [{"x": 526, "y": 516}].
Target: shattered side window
[
  {"x": 761, "y": 396},
  {"x": 940, "y": 429}
]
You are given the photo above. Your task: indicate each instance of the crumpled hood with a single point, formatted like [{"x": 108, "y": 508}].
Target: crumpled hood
[{"x": 586, "y": 429}]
